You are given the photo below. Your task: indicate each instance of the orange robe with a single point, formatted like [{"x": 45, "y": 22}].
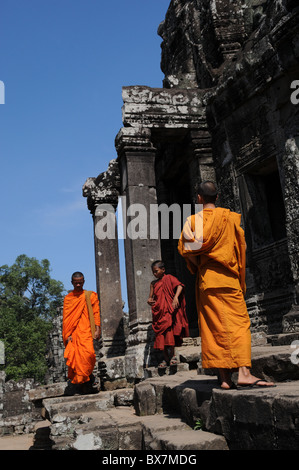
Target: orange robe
[
  {"x": 79, "y": 353},
  {"x": 170, "y": 325},
  {"x": 213, "y": 245}
]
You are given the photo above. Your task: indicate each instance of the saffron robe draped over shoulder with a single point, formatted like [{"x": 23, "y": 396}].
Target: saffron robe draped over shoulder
[
  {"x": 79, "y": 352},
  {"x": 213, "y": 245},
  {"x": 170, "y": 325}
]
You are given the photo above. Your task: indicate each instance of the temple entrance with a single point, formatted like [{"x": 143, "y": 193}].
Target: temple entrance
[
  {"x": 174, "y": 189},
  {"x": 267, "y": 251},
  {"x": 265, "y": 214}
]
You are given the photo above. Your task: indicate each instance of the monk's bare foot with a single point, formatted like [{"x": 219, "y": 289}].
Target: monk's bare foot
[
  {"x": 226, "y": 386},
  {"x": 225, "y": 379},
  {"x": 256, "y": 383},
  {"x": 247, "y": 379}
]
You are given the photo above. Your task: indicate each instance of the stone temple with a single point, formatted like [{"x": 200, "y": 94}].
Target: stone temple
[{"x": 228, "y": 111}]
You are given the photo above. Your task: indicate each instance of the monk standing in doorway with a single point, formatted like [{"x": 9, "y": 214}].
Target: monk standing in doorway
[
  {"x": 213, "y": 245},
  {"x": 81, "y": 324},
  {"x": 170, "y": 323}
]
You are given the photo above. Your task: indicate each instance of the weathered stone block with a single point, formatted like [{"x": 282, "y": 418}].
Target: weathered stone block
[
  {"x": 124, "y": 397},
  {"x": 48, "y": 391},
  {"x": 145, "y": 399},
  {"x": 130, "y": 437}
]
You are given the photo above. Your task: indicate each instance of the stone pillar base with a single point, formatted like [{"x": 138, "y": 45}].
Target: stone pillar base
[
  {"x": 140, "y": 352},
  {"x": 112, "y": 372}
]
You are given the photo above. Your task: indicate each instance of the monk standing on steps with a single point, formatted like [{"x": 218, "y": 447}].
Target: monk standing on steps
[
  {"x": 170, "y": 323},
  {"x": 213, "y": 245},
  {"x": 81, "y": 324}
]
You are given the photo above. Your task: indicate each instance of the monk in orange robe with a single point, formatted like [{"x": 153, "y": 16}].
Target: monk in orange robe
[
  {"x": 213, "y": 245},
  {"x": 77, "y": 331},
  {"x": 170, "y": 322}
]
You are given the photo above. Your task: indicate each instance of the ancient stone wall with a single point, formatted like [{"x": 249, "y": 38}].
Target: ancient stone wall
[
  {"x": 18, "y": 414},
  {"x": 56, "y": 367}
]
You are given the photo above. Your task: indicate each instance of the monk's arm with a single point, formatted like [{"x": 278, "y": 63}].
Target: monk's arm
[
  {"x": 150, "y": 299},
  {"x": 66, "y": 332},
  {"x": 97, "y": 332},
  {"x": 96, "y": 311},
  {"x": 175, "y": 302}
]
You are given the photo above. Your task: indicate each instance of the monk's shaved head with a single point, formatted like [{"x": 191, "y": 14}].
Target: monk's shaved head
[
  {"x": 77, "y": 274},
  {"x": 160, "y": 264},
  {"x": 78, "y": 281},
  {"x": 208, "y": 191}
]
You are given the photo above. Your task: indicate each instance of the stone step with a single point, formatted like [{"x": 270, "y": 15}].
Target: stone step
[
  {"x": 121, "y": 429},
  {"x": 283, "y": 339},
  {"x": 77, "y": 404},
  {"x": 174, "y": 393},
  {"x": 169, "y": 370},
  {"x": 264, "y": 419},
  {"x": 161, "y": 432},
  {"x": 256, "y": 419},
  {"x": 168, "y": 393},
  {"x": 189, "y": 440},
  {"x": 48, "y": 391},
  {"x": 93, "y": 430},
  {"x": 58, "y": 389},
  {"x": 274, "y": 363},
  {"x": 167, "y": 407}
]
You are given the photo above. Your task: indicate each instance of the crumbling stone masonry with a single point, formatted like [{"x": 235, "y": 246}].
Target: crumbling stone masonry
[
  {"x": 56, "y": 366},
  {"x": 18, "y": 414},
  {"x": 224, "y": 113}
]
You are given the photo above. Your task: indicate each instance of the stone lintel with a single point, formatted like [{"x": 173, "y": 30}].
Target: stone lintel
[{"x": 163, "y": 107}]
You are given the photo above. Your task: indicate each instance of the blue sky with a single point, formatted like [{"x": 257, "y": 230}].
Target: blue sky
[{"x": 63, "y": 64}]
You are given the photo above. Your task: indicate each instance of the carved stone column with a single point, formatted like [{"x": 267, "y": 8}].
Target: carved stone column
[
  {"x": 136, "y": 155},
  {"x": 201, "y": 166},
  {"x": 102, "y": 199},
  {"x": 291, "y": 194}
]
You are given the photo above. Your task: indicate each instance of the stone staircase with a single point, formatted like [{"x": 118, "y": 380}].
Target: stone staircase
[{"x": 162, "y": 411}]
